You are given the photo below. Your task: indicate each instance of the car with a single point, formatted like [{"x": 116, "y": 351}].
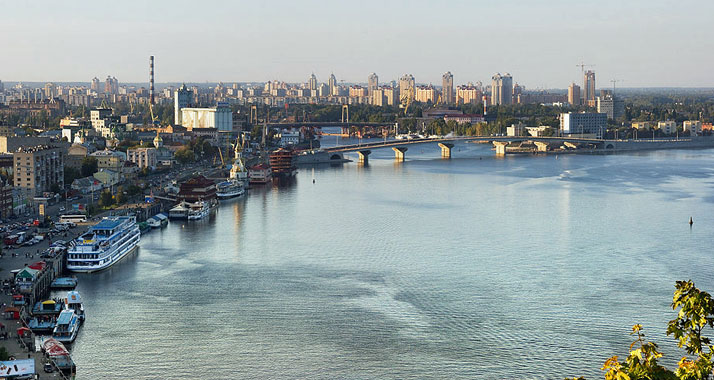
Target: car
[
  {"x": 48, "y": 368},
  {"x": 61, "y": 208}
]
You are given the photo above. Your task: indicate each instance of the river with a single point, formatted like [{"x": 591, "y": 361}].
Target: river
[{"x": 527, "y": 267}]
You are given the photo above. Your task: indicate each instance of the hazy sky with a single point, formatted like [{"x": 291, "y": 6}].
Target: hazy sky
[{"x": 642, "y": 42}]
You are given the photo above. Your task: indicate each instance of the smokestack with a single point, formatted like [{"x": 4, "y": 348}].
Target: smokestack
[
  {"x": 151, "y": 79},
  {"x": 484, "y": 99}
]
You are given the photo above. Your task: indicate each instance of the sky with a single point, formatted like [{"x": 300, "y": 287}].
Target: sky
[{"x": 641, "y": 43}]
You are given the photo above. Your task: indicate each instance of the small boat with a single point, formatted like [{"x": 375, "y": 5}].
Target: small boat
[
  {"x": 41, "y": 325},
  {"x": 48, "y": 307},
  {"x": 59, "y": 355},
  {"x": 67, "y": 327},
  {"x": 74, "y": 302},
  {"x": 64, "y": 283},
  {"x": 158, "y": 221}
]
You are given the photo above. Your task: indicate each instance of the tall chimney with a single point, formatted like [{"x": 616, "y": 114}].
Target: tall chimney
[{"x": 151, "y": 79}]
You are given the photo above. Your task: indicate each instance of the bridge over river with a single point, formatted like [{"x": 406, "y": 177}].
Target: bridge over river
[{"x": 400, "y": 147}]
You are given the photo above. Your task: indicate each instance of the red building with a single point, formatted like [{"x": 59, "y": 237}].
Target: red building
[{"x": 197, "y": 189}]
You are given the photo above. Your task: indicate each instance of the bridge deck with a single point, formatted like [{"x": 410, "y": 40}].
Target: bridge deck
[{"x": 397, "y": 143}]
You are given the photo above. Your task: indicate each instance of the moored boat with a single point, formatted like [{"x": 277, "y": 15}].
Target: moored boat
[
  {"x": 104, "y": 244},
  {"x": 74, "y": 302},
  {"x": 283, "y": 163},
  {"x": 59, "y": 355},
  {"x": 199, "y": 210},
  {"x": 47, "y": 307},
  {"x": 41, "y": 325},
  {"x": 64, "y": 283},
  {"x": 229, "y": 189},
  {"x": 66, "y": 327},
  {"x": 158, "y": 221}
]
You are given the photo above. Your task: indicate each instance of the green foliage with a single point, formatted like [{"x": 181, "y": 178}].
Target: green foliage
[
  {"x": 133, "y": 190},
  {"x": 696, "y": 312},
  {"x": 184, "y": 155},
  {"x": 120, "y": 197},
  {"x": 106, "y": 199},
  {"x": 89, "y": 166},
  {"x": 70, "y": 174}
]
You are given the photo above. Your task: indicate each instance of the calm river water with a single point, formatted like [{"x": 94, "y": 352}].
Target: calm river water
[{"x": 524, "y": 267}]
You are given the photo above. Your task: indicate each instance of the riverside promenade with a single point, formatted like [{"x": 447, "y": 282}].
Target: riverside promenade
[{"x": 18, "y": 258}]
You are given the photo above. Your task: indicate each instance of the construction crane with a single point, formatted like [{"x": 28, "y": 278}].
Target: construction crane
[
  {"x": 583, "y": 65},
  {"x": 406, "y": 99},
  {"x": 154, "y": 119},
  {"x": 613, "y": 81}
]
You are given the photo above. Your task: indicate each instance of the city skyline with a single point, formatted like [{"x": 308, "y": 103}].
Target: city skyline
[{"x": 248, "y": 42}]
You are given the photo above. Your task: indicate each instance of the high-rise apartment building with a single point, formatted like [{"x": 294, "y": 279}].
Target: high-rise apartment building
[
  {"x": 589, "y": 88},
  {"x": 312, "y": 82},
  {"x": 36, "y": 169},
  {"x": 391, "y": 95},
  {"x": 372, "y": 83},
  {"x": 426, "y": 94},
  {"x": 332, "y": 82},
  {"x": 407, "y": 88},
  {"x": 501, "y": 89},
  {"x": 95, "y": 84},
  {"x": 447, "y": 88},
  {"x": 574, "y": 94},
  {"x": 182, "y": 99},
  {"x": 111, "y": 85},
  {"x": 468, "y": 95}
]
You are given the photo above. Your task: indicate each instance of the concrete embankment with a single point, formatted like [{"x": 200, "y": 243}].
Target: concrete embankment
[{"x": 684, "y": 143}]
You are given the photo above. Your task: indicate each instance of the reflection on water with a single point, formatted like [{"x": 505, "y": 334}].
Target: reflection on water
[{"x": 474, "y": 267}]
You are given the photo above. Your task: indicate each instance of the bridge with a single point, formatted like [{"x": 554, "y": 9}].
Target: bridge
[
  {"x": 320, "y": 124},
  {"x": 400, "y": 147}
]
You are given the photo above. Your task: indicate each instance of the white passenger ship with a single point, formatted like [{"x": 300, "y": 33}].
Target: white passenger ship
[{"x": 103, "y": 244}]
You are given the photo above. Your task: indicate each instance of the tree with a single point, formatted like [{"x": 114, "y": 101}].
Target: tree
[
  {"x": 89, "y": 166},
  {"x": 696, "y": 312},
  {"x": 121, "y": 197},
  {"x": 184, "y": 155},
  {"x": 70, "y": 174},
  {"x": 106, "y": 199}
]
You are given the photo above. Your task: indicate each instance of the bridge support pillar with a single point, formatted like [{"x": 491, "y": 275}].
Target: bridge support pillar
[
  {"x": 399, "y": 153},
  {"x": 570, "y": 145},
  {"x": 500, "y": 147},
  {"x": 446, "y": 149},
  {"x": 542, "y": 146},
  {"x": 363, "y": 156}
]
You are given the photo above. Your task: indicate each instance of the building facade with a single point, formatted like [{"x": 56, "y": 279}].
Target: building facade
[
  {"x": 583, "y": 123},
  {"x": 36, "y": 169},
  {"x": 220, "y": 117},
  {"x": 182, "y": 99},
  {"x": 372, "y": 83},
  {"x": 574, "y": 94},
  {"x": 589, "y": 88},
  {"x": 447, "y": 88},
  {"x": 501, "y": 89},
  {"x": 143, "y": 157},
  {"x": 407, "y": 88}
]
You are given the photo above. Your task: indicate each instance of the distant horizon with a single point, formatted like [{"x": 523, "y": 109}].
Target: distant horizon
[
  {"x": 653, "y": 43},
  {"x": 39, "y": 84}
]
